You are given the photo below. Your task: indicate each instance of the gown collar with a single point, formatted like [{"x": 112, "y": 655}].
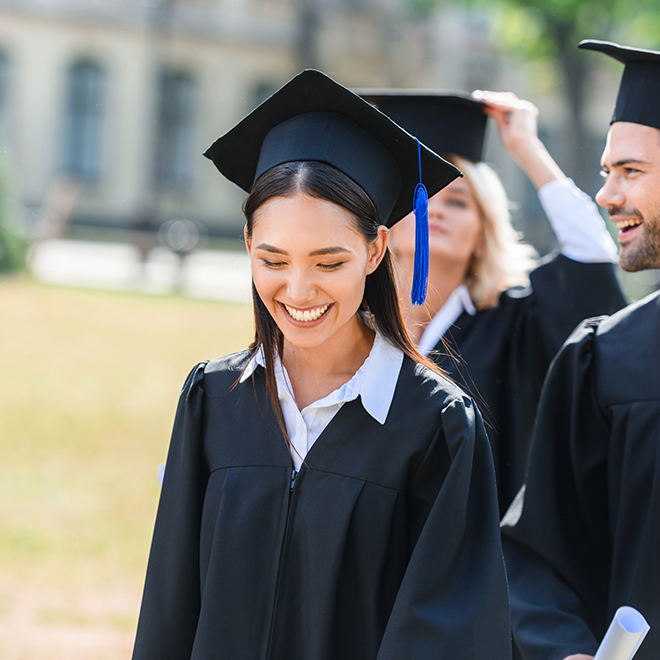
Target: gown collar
[{"x": 374, "y": 382}]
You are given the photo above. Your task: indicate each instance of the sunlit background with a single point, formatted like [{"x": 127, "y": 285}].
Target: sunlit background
[{"x": 120, "y": 252}]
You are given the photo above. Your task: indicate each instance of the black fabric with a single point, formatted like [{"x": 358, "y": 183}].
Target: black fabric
[
  {"x": 448, "y": 123},
  {"x": 315, "y": 135},
  {"x": 236, "y": 154},
  {"x": 584, "y": 536},
  {"x": 638, "y": 100},
  {"x": 387, "y": 547},
  {"x": 501, "y": 355}
]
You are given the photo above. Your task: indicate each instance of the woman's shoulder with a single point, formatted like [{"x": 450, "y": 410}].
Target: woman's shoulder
[
  {"x": 430, "y": 400},
  {"x": 423, "y": 383},
  {"x": 218, "y": 374},
  {"x": 233, "y": 363}
]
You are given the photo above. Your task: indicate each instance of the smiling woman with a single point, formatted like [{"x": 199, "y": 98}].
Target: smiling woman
[
  {"x": 328, "y": 493},
  {"x": 312, "y": 278}
]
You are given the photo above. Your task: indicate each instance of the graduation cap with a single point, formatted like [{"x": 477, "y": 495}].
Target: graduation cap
[
  {"x": 313, "y": 117},
  {"x": 638, "y": 100},
  {"x": 448, "y": 122}
]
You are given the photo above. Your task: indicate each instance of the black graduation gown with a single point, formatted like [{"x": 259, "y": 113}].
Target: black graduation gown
[
  {"x": 387, "y": 546},
  {"x": 588, "y": 539},
  {"x": 501, "y": 355}
]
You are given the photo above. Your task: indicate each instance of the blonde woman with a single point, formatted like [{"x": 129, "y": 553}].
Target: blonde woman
[{"x": 494, "y": 315}]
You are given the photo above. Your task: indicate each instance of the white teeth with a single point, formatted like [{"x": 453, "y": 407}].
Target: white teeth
[
  {"x": 308, "y": 314},
  {"x": 622, "y": 224}
]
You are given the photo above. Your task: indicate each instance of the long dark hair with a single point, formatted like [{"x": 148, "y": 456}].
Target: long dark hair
[{"x": 325, "y": 182}]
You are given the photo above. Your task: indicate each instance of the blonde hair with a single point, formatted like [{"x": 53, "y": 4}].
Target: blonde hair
[{"x": 504, "y": 261}]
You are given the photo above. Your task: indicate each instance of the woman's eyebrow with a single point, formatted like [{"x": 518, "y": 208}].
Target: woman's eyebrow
[
  {"x": 328, "y": 250},
  {"x": 316, "y": 253},
  {"x": 271, "y": 248}
]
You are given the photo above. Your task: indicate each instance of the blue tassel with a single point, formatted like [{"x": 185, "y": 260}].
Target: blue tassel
[{"x": 421, "y": 270}]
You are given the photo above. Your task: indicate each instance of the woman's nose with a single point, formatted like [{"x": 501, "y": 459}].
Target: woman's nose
[
  {"x": 300, "y": 287},
  {"x": 436, "y": 209}
]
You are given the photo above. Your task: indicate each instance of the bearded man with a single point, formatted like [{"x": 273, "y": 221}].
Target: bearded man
[{"x": 582, "y": 537}]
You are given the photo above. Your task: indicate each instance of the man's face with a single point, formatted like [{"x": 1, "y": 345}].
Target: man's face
[{"x": 631, "y": 194}]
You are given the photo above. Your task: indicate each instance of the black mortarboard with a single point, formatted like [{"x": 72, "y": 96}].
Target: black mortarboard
[
  {"x": 313, "y": 117},
  {"x": 638, "y": 100},
  {"x": 447, "y": 122}
]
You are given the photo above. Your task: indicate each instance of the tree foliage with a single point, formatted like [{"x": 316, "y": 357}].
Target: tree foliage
[
  {"x": 546, "y": 32},
  {"x": 13, "y": 238}
]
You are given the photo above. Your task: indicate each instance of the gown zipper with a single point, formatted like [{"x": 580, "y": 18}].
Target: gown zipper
[{"x": 292, "y": 483}]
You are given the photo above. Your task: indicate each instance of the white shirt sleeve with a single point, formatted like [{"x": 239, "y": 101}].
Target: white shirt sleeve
[{"x": 579, "y": 227}]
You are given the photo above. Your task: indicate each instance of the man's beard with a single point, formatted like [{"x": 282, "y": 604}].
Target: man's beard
[{"x": 644, "y": 252}]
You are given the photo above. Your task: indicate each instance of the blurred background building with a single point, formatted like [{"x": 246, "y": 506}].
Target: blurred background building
[{"x": 107, "y": 105}]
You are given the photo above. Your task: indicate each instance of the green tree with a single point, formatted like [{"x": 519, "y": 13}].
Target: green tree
[
  {"x": 13, "y": 238},
  {"x": 549, "y": 30}
]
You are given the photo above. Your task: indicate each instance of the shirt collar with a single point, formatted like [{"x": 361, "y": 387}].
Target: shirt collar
[
  {"x": 463, "y": 294},
  {"x": 459, "y": 301},
  {"x": 257, "y": 360},
  {"x": 375, "y": 381}
]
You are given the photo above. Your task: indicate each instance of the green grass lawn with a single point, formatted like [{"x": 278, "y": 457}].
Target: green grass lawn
[{"x": 89, "y": 383}]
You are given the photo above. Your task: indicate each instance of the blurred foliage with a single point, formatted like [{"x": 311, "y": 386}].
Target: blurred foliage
[
  {"x": 538, "y": 28},
  {"x": 545, "y": 33},
  {"x": 13, "y": 236}
]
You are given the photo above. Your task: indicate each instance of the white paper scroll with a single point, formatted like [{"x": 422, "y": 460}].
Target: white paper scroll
[{"x": 623, "y": 637}]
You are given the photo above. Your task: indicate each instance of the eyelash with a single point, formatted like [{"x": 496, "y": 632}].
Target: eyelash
[
  {"x": 326, "y": 267},
  {"x": 628, "y": 170}
]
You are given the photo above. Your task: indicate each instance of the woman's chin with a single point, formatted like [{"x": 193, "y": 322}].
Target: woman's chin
[
  {"x": 442, "y": 248},
  {"x": 300, "y": 335}
]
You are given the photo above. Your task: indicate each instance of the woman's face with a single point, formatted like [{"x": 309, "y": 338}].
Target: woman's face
[
  {"x": 455, "y": 226},
  {"x": 309, "y": 265}
]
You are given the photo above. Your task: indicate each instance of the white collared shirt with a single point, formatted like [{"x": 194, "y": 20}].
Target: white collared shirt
[
  {"x": 459, "y": 301},
  {"x": 374, "y": 382},
  {"x": 581, "y": 234}
]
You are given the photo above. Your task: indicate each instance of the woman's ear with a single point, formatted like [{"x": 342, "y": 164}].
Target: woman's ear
[
  {"x": 247, "y": 240},
  {"x": 377, "y": 249}
]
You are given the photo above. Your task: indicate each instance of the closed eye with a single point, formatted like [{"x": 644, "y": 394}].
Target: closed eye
[
  {"x": 457, "y": 202},
  {"x": 331, "y": 266},
  {"x": 273, "y": 264}
]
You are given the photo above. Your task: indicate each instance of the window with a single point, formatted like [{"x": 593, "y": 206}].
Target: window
[
  {"x": 83, "y": 121},
  {"x": 175, "y": 130}
]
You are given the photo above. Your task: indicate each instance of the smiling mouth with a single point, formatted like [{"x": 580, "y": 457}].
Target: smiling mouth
[
  {"x": 308, "y": 315},
  {"x": 626, "y": 224}
]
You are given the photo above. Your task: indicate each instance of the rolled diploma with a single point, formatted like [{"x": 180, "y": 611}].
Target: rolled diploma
[{"x": 623, "y": 637}]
